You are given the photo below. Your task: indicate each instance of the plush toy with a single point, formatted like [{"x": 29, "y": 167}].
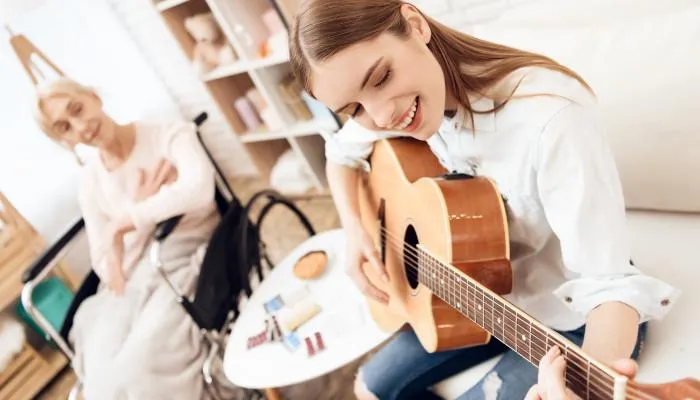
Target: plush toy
[{"x": 211, "y": 48}]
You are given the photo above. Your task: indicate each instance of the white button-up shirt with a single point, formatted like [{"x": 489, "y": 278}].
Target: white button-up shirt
[{"x": 549, "y": 157}]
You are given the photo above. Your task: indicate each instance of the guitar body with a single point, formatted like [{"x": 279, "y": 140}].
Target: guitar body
[{"x": 404, "y": 202}]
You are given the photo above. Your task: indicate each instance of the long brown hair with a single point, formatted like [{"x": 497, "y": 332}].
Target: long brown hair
[{"x": 323, "y": 28}]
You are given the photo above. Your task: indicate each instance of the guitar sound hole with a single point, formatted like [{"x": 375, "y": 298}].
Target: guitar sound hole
[{"x": 410, "y": 256}]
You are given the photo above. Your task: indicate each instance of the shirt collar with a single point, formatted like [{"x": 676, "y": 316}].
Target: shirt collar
[{"x": 483, "y": 122}]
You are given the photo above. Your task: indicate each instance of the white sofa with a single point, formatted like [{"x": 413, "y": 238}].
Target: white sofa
[{"x": 643, "y": 59}]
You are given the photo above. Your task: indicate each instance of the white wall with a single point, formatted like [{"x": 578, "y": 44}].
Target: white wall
[{"x": 459, "y": 14}]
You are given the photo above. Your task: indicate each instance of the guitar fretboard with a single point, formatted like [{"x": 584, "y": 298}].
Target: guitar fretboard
[{"x": 510, "y": 325}]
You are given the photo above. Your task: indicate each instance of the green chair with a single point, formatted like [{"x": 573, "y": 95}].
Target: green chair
[{"x": 52, "y": 298}]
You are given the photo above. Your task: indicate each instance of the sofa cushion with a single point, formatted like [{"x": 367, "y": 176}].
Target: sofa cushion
[
  {"x": 642, "y": 61},
  {"x": 663, "y": 245}
]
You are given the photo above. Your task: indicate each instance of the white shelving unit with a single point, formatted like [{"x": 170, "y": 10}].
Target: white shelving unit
[{"x": 242, "y": 23}]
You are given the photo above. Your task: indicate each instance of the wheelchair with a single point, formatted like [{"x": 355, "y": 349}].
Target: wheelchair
[{"x": 234, "y": 255}]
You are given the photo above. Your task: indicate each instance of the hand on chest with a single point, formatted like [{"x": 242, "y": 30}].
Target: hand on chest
[{"x": 136, "y": 181}]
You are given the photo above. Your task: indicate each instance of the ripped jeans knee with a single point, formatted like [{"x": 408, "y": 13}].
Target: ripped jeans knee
[{"x": 361, "y": 390}]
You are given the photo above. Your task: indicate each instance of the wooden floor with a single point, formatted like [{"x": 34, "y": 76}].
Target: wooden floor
[{"x": 282, "y": 233}]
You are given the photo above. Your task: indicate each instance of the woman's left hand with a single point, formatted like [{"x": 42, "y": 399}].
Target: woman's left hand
[
  {"x": 551, "y": 383},
  {"x": 121, "y": 227}
]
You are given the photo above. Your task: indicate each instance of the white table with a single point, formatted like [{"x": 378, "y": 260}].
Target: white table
[{"x": 271, "y": 365}]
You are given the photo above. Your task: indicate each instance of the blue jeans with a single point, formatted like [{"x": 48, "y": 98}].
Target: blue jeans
[{"x": 404, "y": 370}]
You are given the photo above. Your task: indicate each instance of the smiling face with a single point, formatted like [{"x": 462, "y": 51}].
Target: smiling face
[
  {"x": 386, "y": 83},
  {"x": 78, "y": 118}
]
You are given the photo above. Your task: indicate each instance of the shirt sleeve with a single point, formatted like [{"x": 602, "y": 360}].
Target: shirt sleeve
[
  {"x": 194, "y": 186},
  {"x": 96, "y": 224},
  {"x": 581, "y": 193},
  {"x": 352, "y": 145}
]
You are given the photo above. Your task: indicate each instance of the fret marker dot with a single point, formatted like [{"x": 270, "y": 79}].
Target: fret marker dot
[
  {"x": 479, "y": 306},
  {"x": 458, "y": 305},
  {"x": 499, "y": 320},
  {"x": 523, "y": 337},
  {"x": 442, "y": 282},
  {"x": 433, "y": 274}
]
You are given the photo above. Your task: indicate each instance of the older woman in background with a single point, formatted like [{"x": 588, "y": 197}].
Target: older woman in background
[{"x": 132, "y": 339}]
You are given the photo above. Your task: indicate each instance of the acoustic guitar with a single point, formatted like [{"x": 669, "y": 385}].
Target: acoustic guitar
[{"x": 444, "y": 241}]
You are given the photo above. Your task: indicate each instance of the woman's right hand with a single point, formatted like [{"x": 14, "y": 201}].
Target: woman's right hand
[
  {"x": 361, "y": 249},
  {"x": 150, "y": 183}
]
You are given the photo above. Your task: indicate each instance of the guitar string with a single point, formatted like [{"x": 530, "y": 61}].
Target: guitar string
[
  {"x": 412, "y": 250},
  {"x": 574, "y": 374},
  {"x": 580, "y": 380},
  {"x": 631, "y": 390}
]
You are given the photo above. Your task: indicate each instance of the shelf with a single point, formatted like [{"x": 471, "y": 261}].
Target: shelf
[
  {"x": 254, "y": 28},
  {"x": 302, "y": 128},
  {"x": 265, "y": 154},
  {"x": 29, "y": 372},
  {"x": 168, "y": 4},
  {"x": 225, "y": 91},
  {"x": 243, "y": 66},
  {"x": 174, "y": 13}
]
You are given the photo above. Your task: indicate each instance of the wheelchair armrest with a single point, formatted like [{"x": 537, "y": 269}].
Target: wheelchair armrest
[
  {"x": 48, "y": 257},
  {"x": 165, "y": 228}
]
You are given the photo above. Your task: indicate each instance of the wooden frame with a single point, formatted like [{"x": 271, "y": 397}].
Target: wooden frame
[{"x": 20, "y": 244}]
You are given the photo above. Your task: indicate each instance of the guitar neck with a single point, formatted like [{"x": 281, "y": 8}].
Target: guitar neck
[{"x": 516, "y": 329}]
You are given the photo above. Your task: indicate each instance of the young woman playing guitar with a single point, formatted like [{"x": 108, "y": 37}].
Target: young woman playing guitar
[{"x": 520, "y": 119}]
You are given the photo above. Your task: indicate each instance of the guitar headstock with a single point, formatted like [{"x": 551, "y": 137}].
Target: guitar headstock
[{"x": 683, "y": 389}]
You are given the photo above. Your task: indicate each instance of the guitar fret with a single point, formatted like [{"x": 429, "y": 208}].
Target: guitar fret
[
  {"x": 481, "y": 307},
  {"x": 489, "y": 306},
  {"x": 501, "y": 322},
  {"x": 523, "y": 338},
  {"x": 475, "y": 298},
  {"x": 441, "y": 284},
  {"x": 529, "y": 352},
  {"x": 493, "y": 319},
  {"x": 515, "y": 328},
  {"x": 588, "y": 380},
  {"x": 457, "y": 292},
  {"x": 449, "y": 288},
  {"x": 451, "y": 279},
  {"x": 508, "y": 324},
  {"x": 538, "y": 342},
  {"x": 464, "y": 295},
  {"x": 438, "y": 286},
  {"x": 433, "y": 276}
]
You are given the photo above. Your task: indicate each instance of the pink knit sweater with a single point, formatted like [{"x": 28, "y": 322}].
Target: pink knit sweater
[{"x": 105, "y": 196}]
